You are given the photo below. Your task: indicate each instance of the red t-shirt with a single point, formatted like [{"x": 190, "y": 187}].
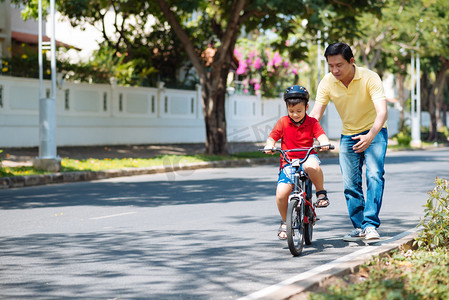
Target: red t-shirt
[{"x": 294, "y": 136}]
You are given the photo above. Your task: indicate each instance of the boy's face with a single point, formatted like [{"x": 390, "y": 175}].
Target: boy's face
[{"x": 297, "y": 112}]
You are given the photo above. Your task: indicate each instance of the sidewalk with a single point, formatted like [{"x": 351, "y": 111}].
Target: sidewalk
[
  {"x": 297, "y": 287},
  {"x": 15, "y": 157},
  {"x": 24, "y": 157}
]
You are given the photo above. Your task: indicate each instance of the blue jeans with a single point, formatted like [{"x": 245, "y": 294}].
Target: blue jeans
[{"x": 363, "y": 213}]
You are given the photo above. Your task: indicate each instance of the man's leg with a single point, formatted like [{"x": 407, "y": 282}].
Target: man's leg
[
  {"x": 375, "y": 159},
  {"x": 351, "y": 168}
]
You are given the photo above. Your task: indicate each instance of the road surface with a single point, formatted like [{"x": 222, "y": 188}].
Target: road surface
[{"x": 203, "y": 234}]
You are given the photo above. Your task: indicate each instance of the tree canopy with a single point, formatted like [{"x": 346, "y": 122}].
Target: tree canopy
[{"x": 154, "y": 38}]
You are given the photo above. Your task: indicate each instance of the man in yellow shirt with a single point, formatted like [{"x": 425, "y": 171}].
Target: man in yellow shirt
[{"x": 360, "y": 100}]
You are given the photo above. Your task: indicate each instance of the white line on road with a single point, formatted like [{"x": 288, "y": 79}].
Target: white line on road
[
  {"x": 111, "y": 216},
  {"x": 320, "y": 269}
]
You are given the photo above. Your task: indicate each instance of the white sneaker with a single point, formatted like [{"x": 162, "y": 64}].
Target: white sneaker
[
  {"x": 371, "y": 233},
  {"x": 355, "y": 235}
]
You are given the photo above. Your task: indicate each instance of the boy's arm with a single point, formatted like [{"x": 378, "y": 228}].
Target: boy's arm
[
  {"x": 324, "y": 140},
  {"x": 269, "y": 144}
]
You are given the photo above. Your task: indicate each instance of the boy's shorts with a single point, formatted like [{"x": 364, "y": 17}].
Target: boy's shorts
[{"x": 286, "y": 174}]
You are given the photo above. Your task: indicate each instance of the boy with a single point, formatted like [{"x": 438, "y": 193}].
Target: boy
[{"x": 297, "y": 130}]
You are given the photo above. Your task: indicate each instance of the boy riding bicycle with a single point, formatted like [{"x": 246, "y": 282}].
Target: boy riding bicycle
[{"x": 297, "y": 130}]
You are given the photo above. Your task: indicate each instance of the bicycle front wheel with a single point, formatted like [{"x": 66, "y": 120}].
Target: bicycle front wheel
[{"x": 295, "y": 226}]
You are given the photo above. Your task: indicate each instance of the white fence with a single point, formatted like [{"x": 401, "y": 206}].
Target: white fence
[{"x": 103, "y": 114}]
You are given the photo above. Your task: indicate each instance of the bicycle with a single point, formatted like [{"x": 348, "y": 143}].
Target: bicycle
[{"x": 301, "y": 215}]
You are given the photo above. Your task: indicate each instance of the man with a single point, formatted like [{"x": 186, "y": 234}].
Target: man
[{"x": 360, "y": 100}]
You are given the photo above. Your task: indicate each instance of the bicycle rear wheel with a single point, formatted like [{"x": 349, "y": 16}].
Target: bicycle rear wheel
[
  {"x": 308, "y": 227},
  {"x": 295, "y": 226}
]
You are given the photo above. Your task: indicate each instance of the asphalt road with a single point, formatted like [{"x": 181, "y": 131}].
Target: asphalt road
[{"x": 203, "y": 234}]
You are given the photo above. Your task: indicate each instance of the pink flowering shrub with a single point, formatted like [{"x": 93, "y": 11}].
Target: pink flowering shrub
[{"x": 263, "y": 70}]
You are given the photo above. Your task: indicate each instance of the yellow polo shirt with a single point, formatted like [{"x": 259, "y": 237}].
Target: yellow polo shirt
[{"x": 355, "y": 104}]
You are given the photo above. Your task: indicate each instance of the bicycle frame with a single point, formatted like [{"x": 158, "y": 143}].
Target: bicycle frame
[
  {"x": 301, "y": 215},
  {"x": 302, "y": 185},
  {"x": 302, "y": 188}
]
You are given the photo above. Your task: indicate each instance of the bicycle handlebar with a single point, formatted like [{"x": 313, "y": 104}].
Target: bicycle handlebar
[{"x": 309, "y": 150}]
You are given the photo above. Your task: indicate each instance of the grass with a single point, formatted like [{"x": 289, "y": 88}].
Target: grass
[
  {"x": 91, "y": 164},
  {"x": 404, "y": 274},
  {"x": 407, "y": 273}
]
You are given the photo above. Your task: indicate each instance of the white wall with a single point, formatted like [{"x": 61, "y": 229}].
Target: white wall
[
  {"x": 107, "y": 115},
  {"x": 104, "y": 114}
]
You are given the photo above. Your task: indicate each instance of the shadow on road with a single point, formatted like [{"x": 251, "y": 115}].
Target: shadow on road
[
  {"x": 155, "y": 264},
  {"x": 144, "y": 194}
]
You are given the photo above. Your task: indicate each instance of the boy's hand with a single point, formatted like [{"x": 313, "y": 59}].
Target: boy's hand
[
  {"x": 325, "y": 148},
  {"x": 269, "y": 150}
]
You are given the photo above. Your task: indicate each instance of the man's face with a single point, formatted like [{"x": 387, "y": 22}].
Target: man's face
[{"x": 340, "y": 67}]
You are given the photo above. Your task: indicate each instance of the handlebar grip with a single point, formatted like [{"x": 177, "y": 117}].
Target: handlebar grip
[{"x": 331, "y": 147}]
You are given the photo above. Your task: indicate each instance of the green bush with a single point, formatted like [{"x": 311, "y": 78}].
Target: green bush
[
  {"x": 436, "y": 218},
  {"x": 3, "y": 172},
  {"x": 403, "y": 138},
  {"x": 405, "y": 273}
]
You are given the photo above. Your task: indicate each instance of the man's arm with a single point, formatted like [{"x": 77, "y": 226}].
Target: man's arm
[
  {"x": 366, "y": 139},
  {"x": 318, "y": 111}
]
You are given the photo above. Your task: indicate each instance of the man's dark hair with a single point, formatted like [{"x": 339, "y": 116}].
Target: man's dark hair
[
  {"x": 339, "y": 48},
  {"x": 294, "y": 101}
]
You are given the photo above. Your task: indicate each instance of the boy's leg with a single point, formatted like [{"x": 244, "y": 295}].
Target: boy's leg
[
  {"x": 375, "y": 159},
  {"x": 313, "y": 169},
  {"x": 282, "y": 192},
  {"x": 351, "y": 168}
]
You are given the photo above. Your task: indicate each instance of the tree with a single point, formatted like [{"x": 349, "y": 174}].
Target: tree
[
  {"x": 198, "y": 23},
  {"x": 382, "y": 45},
  {"x": 227, "y": 19},
  {"x": 429, "y": 26},
  {"x": 386, "y": 43}
]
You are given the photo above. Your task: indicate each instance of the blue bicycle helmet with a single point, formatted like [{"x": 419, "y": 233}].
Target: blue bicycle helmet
[{"x": 296, "y": 91}]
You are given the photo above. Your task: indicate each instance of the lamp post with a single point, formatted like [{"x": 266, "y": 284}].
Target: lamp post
[
  {"x": 321, "y": 60},
  {"x": 47, "y": 159},
  {"x": 415, "y": 113}
]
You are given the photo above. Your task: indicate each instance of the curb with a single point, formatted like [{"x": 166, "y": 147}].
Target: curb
[
  {"x": 66, "y": 177},
  {"x": 297, "y": 287}
]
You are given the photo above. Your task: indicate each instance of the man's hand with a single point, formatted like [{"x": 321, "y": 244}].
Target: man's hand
[{"x": 363, "y": 143}]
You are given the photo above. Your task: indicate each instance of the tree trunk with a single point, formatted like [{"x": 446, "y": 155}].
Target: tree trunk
[
  {"x": 433, "y": 120},
  {"x": 401, "y": 99},
  {"x": 435, "y": 100},
  {"x": 214, "y": 110},
  {"x": 213, "y": 82},
  {"x": 444, "y": 115}
]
